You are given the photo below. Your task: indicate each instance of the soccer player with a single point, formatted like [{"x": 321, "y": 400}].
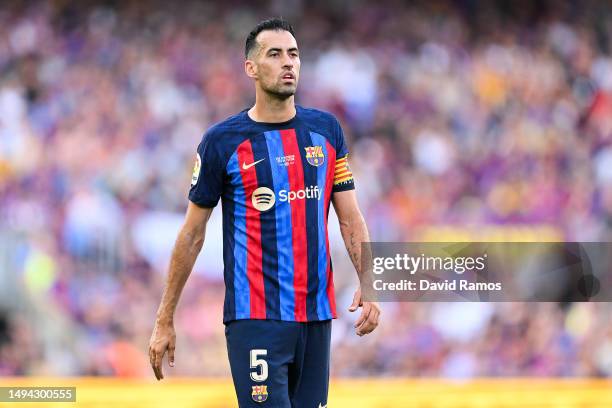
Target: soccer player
[{"x": 276, "y": 167}]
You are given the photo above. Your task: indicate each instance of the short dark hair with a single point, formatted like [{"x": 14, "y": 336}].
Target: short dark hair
[{"x": 276, "y": 24}]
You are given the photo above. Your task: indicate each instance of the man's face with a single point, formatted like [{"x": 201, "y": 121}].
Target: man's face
[{"x": 276, "y": 63}]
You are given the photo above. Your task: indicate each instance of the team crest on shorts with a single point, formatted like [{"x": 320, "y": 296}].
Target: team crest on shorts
[
  {"x": 314, "y": 155},
  {"x": 260, "y": 393}
]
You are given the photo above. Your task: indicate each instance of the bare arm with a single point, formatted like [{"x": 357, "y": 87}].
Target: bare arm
[
  {"x": 186, "y": 249},
  {"x": 354, "y": 231},
  {"x": 352, "y": 225}
]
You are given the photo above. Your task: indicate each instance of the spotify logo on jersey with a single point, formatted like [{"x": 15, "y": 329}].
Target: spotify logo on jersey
[{"x": 263, "y": 198}]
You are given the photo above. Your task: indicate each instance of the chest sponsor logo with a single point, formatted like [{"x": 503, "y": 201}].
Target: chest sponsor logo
[
  {"x": 264, "y": 198},
  {"x": 314, "y": 155}
]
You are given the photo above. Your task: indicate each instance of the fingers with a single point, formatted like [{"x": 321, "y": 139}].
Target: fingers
[
  {"x": 171, "y": 348},
  {"x": 158, "y": 364},
  {"x": 365, "y": 312},
  {"x": 152, "y": 362},
  {"x": 163, "y": 339},
  {"x": 155, "y": 357},
  {"x": 370, "y": 322},
  {"x": 356, "y": 301}
]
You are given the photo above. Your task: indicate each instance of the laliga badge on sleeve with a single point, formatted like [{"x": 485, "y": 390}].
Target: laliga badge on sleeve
[{"x": 196, "y": 170}]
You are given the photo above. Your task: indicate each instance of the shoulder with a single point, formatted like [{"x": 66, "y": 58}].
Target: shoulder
[
  {"x": 222, "y": 138},
  {"x": 324, "y": 123},
  {"x": 317, "y": 115},
  {"x": 220, "y": 130},
  {"x": 225, "y": 136}
]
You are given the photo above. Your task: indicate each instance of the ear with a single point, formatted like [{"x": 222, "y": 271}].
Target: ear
[{"x": 250, "y": 68}]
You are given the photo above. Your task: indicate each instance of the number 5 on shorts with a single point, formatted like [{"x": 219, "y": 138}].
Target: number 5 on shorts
[{"x": 259, "y": 362}]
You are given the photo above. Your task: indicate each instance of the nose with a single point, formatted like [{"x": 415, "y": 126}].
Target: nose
[{"x": 287, "y": 63}]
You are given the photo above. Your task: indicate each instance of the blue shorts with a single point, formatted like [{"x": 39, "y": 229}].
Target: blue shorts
[{"x": 279, "y": 364}]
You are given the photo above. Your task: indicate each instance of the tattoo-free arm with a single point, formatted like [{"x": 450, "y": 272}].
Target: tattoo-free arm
[{"x": 186, "y": 249}]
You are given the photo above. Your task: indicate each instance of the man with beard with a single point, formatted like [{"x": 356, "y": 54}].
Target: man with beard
[{"x": 277, "y": 167}]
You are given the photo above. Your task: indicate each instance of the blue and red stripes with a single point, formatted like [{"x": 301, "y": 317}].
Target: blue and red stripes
[
  {"x": 298, "y": 220},
  {"x": 284, "y": 230},
  {"x": 281, "y": 265},
  {"x": 242, "y": 291},
  {"x": 323, "y": 267},
  {"x": 331, "y": 155},
  {"x": 254, "y": 266},
  {"x": 268, "y": 219},
  {"x": 310, "y": 169}
]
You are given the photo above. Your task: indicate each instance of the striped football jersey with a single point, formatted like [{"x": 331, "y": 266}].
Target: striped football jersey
[{"x": 275, "y": 182}]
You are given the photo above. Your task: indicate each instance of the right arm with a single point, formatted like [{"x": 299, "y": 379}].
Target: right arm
[{"x": 186, "y": 249}]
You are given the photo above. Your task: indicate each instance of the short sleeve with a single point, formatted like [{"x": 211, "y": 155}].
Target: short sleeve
[
  {"x": 343, "y": 176},
  {"x": 208, "y": 174}
]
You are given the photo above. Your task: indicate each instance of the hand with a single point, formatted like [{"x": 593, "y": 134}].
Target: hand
[
  {"x": 162, "y": 339},
  {"x": 370, "y": 313}
]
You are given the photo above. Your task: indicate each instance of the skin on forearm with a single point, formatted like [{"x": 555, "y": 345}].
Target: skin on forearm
[
  {"x": 354, "y": 232},
  {"x": 356, "y": 239},
  {"x": 186, "y": 249}
]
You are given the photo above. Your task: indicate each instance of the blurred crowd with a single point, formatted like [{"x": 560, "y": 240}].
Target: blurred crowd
[{"x": 465, "y": 120}]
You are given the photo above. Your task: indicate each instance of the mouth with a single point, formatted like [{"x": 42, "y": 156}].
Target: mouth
[{"x": 288, "y": 77}]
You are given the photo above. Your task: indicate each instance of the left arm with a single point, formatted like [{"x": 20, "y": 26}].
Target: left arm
[{"x": 354, "y": 231}]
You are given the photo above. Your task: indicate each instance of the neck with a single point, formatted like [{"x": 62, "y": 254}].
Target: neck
[{"x": 271, "y": 109}]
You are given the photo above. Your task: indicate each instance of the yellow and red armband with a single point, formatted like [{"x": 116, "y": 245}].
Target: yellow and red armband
[{"x": 343, "y": 176}]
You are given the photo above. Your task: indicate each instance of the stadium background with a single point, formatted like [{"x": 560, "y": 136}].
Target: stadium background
[{"x": 466, "y": 120}]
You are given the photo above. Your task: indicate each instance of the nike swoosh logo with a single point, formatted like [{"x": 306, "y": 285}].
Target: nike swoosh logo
[
  {"x": 322, "y": 406},
  {"x": 248, "y": 166}
]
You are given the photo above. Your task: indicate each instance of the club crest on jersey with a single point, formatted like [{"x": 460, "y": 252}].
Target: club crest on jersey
[
  {"x": 260, "y": 393},
  {"x": 314, "y": 155}
]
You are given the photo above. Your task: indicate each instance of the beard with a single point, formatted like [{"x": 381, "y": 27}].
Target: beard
[{"x": 280, "y": 91}]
